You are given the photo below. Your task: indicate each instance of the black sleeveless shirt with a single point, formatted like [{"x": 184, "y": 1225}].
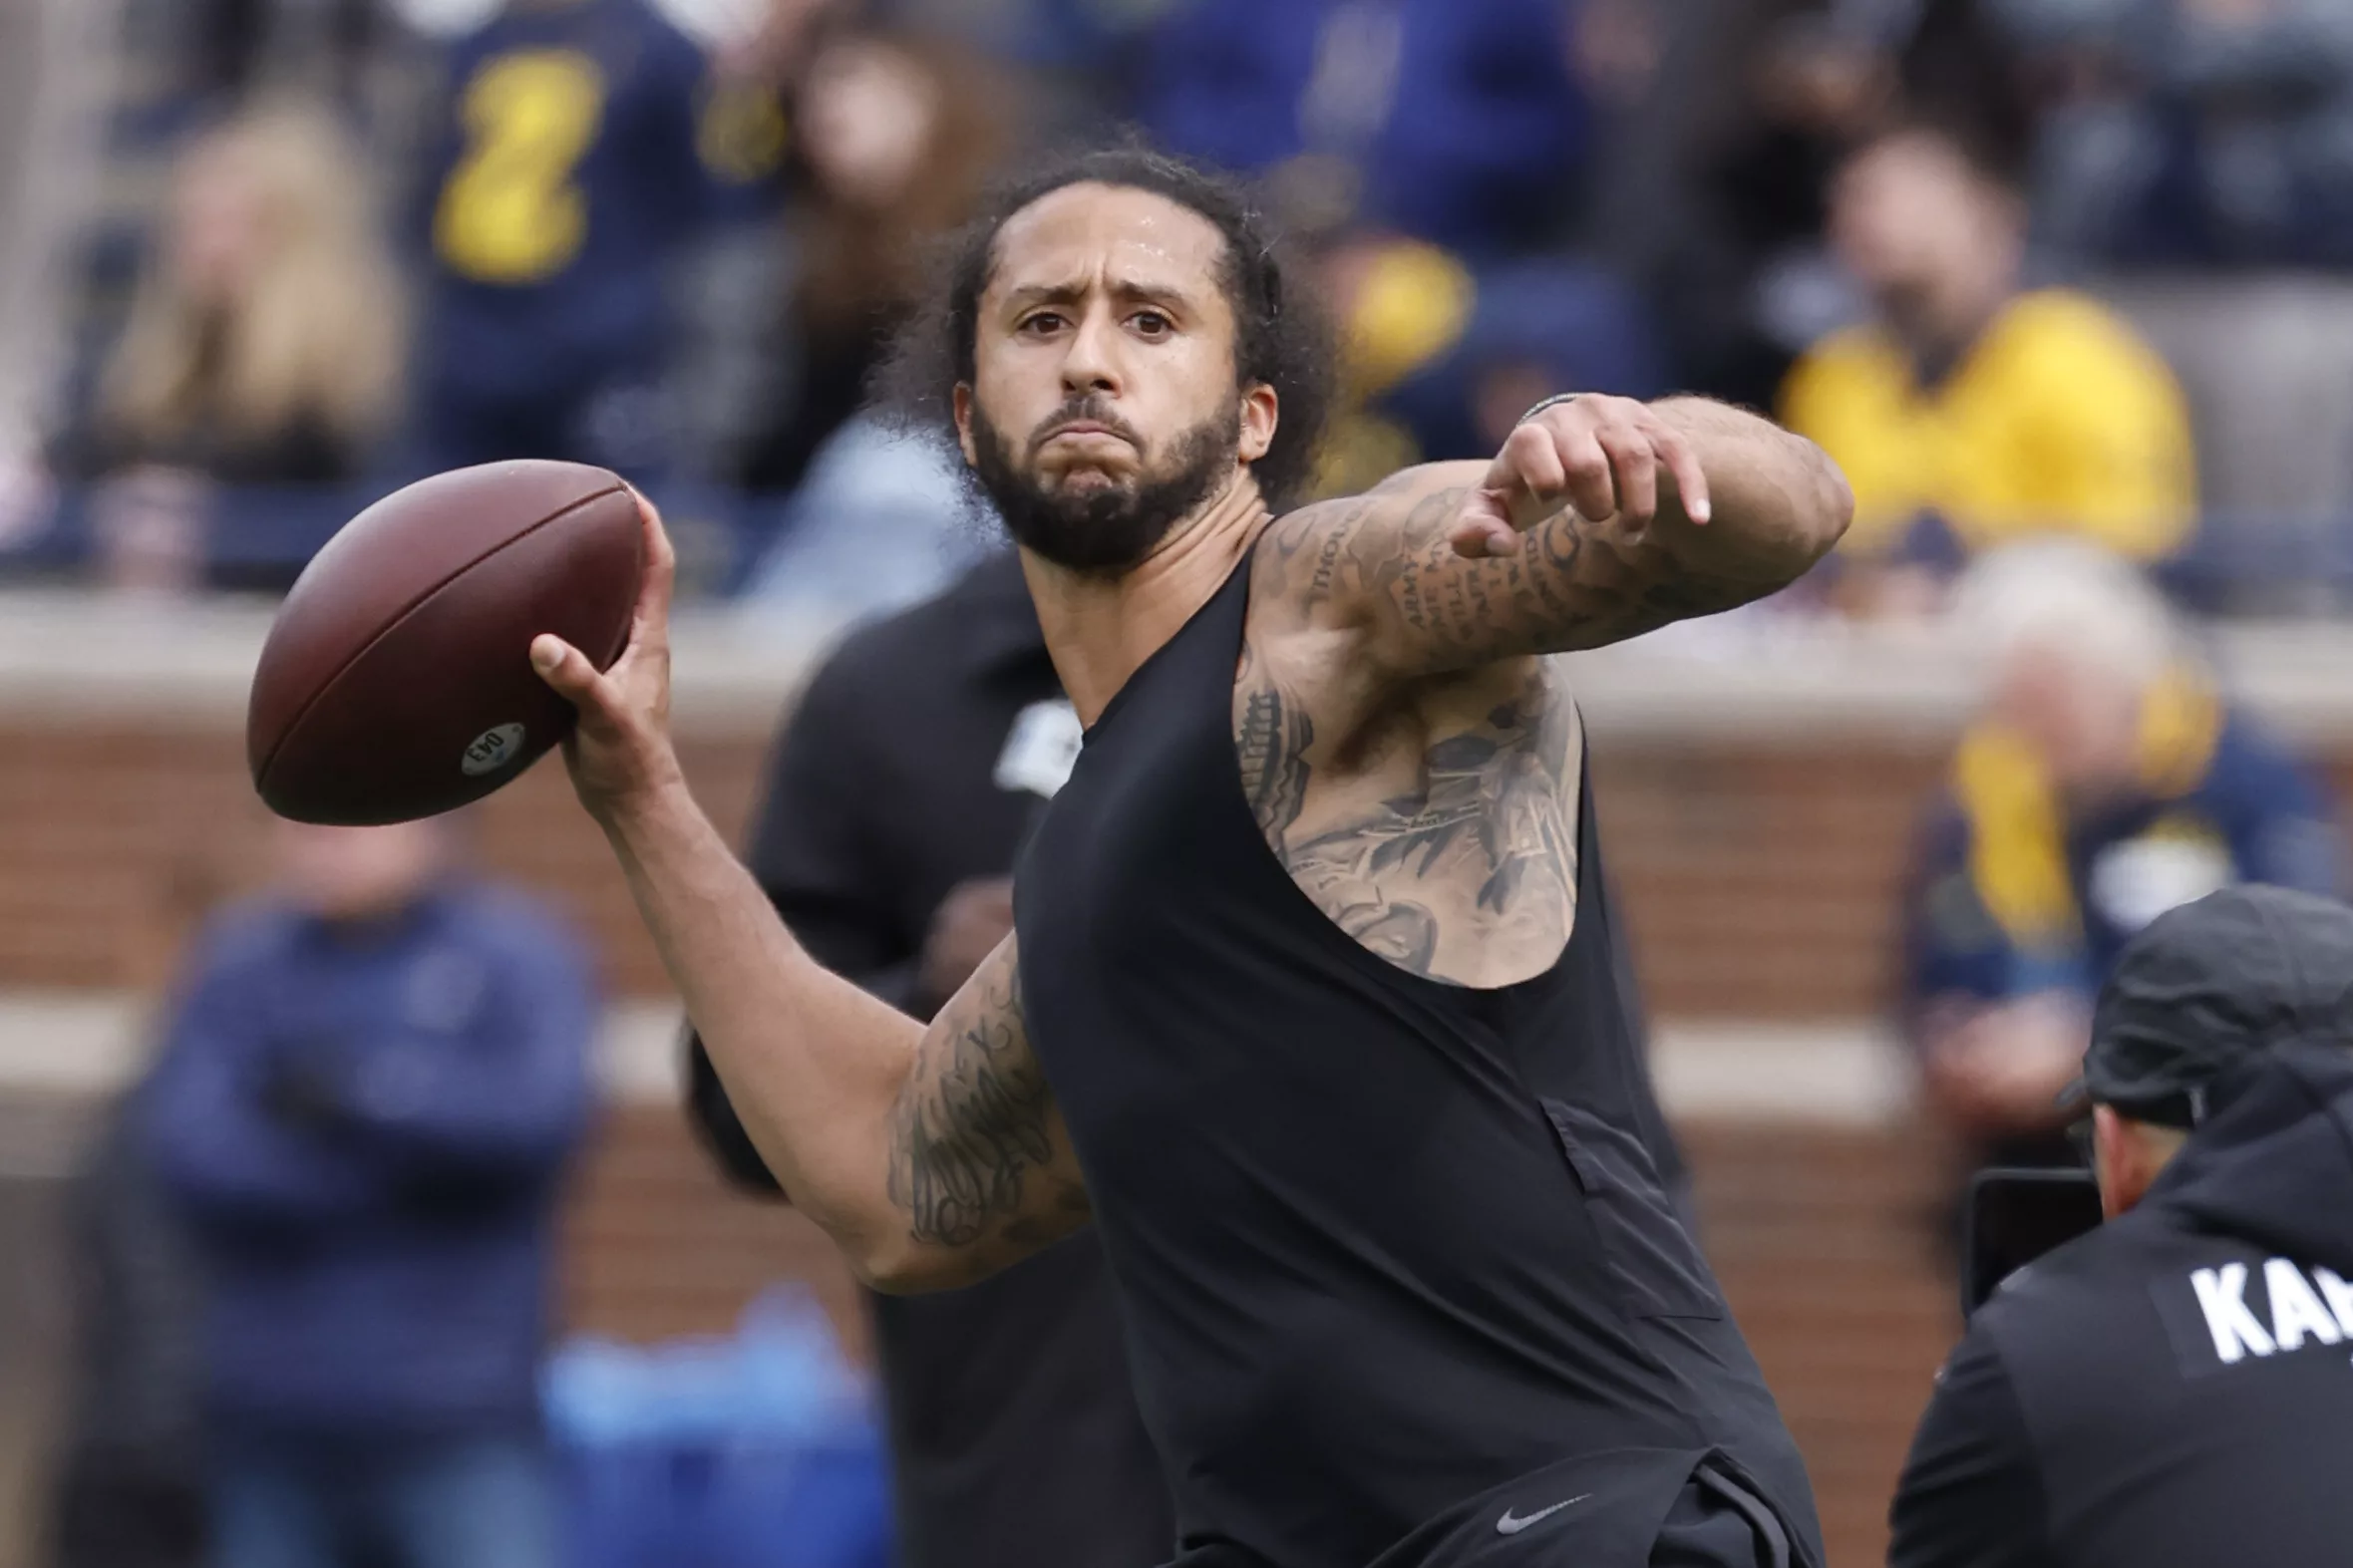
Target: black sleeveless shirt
[{"x": 1380, "y": 1242}]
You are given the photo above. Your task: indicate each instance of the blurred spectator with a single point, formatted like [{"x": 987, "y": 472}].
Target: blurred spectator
[
  {"x": 263, "y": 345},
  {"x": 1970, "y": 412},
  {"x": 1739, "y": 265},
  {"x": 567, "y": 185},
  {"x": 2197, "y": 131},
  {"x": 367, "y": 1092},
  {"x": 1723, "y": 124},
  {"x": 130, "y": 1489},
  {"x": 2107, "y": 780},
  {"x": 882, "y": 519},
  {"x": 1457, "y": 122},
  {"x": 1441, "y": 360},
  {"x": 895, "y": 138}
]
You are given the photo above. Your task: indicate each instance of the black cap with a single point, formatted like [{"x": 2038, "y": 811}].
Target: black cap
[{"x": 2208, "y": 985}]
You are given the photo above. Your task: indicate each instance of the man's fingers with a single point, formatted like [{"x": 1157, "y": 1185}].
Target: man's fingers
[
  {"x": 1484, "y": 526},
  {"x": 1635, "y": 466},
  {"x": 662, "y": 567},
  {"x": 1536, "y": 460},
  {"x": 1591, "y": 489},
  {"x": 1691, "y": 480},
  {"x": 567, "y": 670}
]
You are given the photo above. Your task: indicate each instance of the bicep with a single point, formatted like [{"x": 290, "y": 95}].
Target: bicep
[{"x": 981, "y": 1169}]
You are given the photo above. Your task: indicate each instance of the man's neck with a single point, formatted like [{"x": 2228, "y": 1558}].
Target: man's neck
[
  {"x": 1938, "y": 326},
  {"x": 1099, "y": 630}
]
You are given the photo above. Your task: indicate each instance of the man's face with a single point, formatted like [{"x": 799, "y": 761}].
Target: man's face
[
  {"x": 2082, "y": 721},
  {"x": 1910, "y": 214},
  {"x": 359, "y": 873},
  {"x": 1104, "y": 406}
]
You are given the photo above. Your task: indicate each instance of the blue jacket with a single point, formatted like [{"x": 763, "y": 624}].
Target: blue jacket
[
  {"x": 366, "y": 1134},
  {"x": 1459, "y": 116}
]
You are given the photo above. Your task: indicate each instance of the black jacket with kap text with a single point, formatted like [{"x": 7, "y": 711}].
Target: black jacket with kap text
[{"x": 2175, "y": 1388}]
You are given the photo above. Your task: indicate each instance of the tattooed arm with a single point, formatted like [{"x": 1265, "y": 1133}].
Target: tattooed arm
[
  {"x": 1600, "y": 520},
  {"x": 934, "y": 1157},
  {"x": 931, "y": 1155},
  {"x": 980, "y": 1162}
]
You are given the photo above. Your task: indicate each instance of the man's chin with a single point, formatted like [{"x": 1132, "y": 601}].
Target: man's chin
[
  {"x": 1093, "y": 546},
  {"x": 1085, "y": 484}
]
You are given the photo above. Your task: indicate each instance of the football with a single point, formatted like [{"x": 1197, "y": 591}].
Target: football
[{"x": 396, "y": 682}]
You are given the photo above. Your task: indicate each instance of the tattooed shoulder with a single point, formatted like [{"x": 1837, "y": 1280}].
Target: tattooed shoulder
[
  {"x": 1442, "y": 838},
  {"x": 1273, "y": 733}
]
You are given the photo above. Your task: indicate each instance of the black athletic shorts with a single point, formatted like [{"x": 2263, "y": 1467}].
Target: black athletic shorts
[{"x": 1628, "y": 1508}]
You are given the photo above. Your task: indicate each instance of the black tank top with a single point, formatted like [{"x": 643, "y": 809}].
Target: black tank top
[{"x": 1380, "y": 1242}]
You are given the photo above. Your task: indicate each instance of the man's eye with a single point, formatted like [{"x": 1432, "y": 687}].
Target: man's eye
[
  {"x": 1043, "y": 321},
  {"x": 1152, "y": 323}
]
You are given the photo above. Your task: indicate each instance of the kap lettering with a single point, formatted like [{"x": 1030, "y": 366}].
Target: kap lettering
[{"x": 2300, "y": 1309}]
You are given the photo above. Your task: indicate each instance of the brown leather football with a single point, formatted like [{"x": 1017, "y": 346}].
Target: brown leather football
[{"x": 397, "y": 680}]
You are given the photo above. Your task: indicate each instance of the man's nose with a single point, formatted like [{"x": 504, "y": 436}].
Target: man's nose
[{"x": 1091, "y": 364}]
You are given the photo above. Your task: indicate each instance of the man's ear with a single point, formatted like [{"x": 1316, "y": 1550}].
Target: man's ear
[
  {"x": 2127, "y": 1155},
  {"x": 961, "y": 402},
  {"x": 1260, "y": 415}
]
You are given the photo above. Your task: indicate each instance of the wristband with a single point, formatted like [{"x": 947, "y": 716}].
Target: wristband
[{"x": 1553, "y": 402}]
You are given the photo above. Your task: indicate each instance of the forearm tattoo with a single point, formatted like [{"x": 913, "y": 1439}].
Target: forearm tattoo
[
  {"x": 1572, "y": 583},
  {"x": 974, "y": 1133}
]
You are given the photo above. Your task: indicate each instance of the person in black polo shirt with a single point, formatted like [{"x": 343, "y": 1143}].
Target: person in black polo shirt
[
  {"x": 2175, "y": 1388},
  {"x": 901, "y": 789}
]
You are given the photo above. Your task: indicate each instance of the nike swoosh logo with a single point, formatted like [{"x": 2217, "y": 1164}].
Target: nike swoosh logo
[{"x": 1511, "y": 1524}]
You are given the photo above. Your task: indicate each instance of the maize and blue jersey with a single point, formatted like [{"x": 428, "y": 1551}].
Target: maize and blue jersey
[
  {"x": 581, "y": 155},
  {"x": 2016, "y": 894}
]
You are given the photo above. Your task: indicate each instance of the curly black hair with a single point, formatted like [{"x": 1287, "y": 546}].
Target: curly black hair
[{"x": 1282, "y": 336}]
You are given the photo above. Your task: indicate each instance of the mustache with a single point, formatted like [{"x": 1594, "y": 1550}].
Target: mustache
[{"x": 1083, "y": 411}]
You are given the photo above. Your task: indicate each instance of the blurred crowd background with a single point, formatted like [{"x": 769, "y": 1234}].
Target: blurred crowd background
[
  {"x": 272, "y": 256},
  {"x": 2063, "y": 284}
]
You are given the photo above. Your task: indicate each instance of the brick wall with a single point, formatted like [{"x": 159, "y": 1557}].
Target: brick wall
[{"x": 1758, "y": 879}]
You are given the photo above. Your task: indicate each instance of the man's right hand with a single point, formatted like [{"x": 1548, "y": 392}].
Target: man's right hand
[
  {"x": 620, "y": 753},
  {"x": 966, "y": 928},
  {"x": 934, "y": 1157}
]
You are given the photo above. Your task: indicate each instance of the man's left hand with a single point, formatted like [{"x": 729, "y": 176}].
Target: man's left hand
[{"x": 1604, "y": 458}]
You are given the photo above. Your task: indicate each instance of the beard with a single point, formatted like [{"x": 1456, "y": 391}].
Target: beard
[{"x": 1104, "y": 531}]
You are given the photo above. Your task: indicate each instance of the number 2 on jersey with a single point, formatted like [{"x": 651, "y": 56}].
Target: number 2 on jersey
[{"x": 510, "y": 212}]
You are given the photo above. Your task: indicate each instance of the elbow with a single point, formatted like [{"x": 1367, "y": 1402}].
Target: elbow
[
  {"x": 904, "y": 1266},
  {"x": 890, "y": 1273},
  {"x": 886, "y": 1279},
  {"x": 1814, "y": 506}
]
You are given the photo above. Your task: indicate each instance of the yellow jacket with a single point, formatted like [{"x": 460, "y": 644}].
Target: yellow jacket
[{"x": 2058, "y": 420}]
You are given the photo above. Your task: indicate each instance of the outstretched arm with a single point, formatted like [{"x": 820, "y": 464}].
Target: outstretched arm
[
  {"x": 1600, "y": 520},
  {"x": 933, "y": 1156}
]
